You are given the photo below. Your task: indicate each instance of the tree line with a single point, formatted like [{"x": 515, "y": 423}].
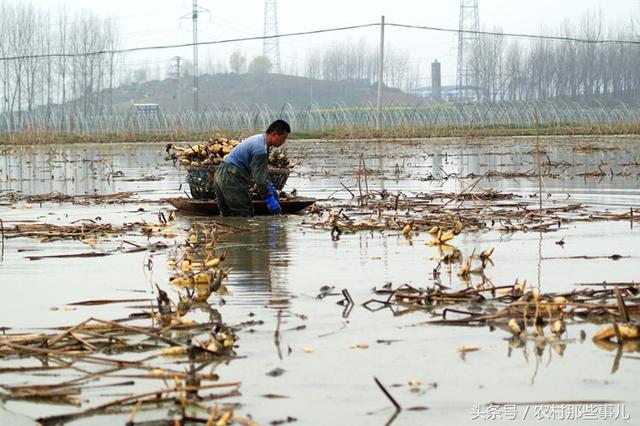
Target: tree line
[
  {"x": 512, "y": 69},
  {"x": 28, "y": 83},
  {"x": 355, "y": 62},
  {"x": 500, "y": 68}
]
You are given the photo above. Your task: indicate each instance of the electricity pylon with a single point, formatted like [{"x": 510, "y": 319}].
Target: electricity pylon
[
  {"x": 468, "y": 36},
  {"x": 271, "y": 46}
]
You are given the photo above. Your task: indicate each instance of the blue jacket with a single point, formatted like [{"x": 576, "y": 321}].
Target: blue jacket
[{"x": 251, "y": 156}]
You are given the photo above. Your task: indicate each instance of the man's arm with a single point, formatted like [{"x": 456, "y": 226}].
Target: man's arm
[{"x": 260, "y": 174}]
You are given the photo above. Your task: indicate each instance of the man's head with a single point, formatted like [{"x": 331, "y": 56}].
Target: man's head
[{"x": 277, "y": 133}]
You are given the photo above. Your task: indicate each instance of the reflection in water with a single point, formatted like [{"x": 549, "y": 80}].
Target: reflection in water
[
  {"x": 258, "y": 254},
  {"x": 620, "y": 348},
  {"x": 86, "y": 169},
  {"x": 539, "y": 275},
  {"x": 322, "y": 169},
  {"x": 106, "y": 168},
  {"x": 538, "y": 346},
  {"x": 436, "y": 170}
]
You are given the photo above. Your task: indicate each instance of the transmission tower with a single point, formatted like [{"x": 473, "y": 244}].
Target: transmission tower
[
  {"x": 271, "y": 46},
  {"x": 194, "y": 17},
  {"x": 467, "y": 39}
]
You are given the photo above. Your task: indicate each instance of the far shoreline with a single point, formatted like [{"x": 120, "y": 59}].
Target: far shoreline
[{"x": 40, "y": 138}]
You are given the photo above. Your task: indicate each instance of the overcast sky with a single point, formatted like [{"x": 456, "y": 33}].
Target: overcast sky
[{"x": 156, "y": 22}]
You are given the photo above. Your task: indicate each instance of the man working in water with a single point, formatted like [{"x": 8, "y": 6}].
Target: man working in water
[{"x": 248, "y": 160}]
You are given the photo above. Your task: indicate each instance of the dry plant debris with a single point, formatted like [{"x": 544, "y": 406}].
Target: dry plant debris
[
  {"x": 479, "y": 211},
  {"x": 114, "y": 354},
  {"x": 59, "y": 197},
  {"x": 523, "y": 312},
  {"x": 49, "y": 232}
]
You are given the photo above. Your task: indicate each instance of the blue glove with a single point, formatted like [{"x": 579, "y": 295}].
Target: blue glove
[
  {"x": 273, "y": 190},
  {"x": 272, "y": 204}
]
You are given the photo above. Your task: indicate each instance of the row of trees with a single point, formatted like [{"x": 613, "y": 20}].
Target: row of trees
[
  {"x": 31, "y": 75},
  {"x": 359, "y": 62},
  {"x": 354, "y": 62},
  {"x": 504, "y": 69}
]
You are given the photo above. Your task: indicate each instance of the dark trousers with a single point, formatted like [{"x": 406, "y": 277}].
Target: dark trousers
[{"x": 232, "y": 191}]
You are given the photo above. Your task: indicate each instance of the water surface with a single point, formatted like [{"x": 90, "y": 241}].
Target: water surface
[{"x": 280, "y": 263}]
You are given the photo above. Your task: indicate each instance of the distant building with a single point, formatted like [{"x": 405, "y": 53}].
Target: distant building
[
  {"x": 447, "y": 93},
  {"x": 147, "y": 110}
]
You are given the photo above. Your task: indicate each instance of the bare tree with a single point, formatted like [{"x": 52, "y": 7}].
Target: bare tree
[
  {"x": 237, "y": 62},
  {"x": 542, "y": 69}
]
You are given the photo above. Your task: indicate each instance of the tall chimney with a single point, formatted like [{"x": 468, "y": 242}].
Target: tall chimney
[{"x": 436, "y": 81}]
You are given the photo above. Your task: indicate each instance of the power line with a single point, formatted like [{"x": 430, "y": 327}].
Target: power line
[
  {"x": 243, "y": 29},
  {"x": 300, "y": 33},
  {"x": 517, "y": 35},
  {"x": 174, "y": 46}
]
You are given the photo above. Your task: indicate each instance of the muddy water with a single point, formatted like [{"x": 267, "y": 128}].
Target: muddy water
[{"x": 330, "y": 356}]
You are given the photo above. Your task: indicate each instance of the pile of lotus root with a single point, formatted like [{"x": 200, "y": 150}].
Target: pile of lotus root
[{"x": 214, "y": 152}]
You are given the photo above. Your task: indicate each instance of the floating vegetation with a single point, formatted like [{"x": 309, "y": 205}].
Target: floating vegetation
[
  {"x": 471, "y": 209},
  {"x": 197, "y": 269},
  {"x": 523, "y": 312},
  {"x": 101, "y": 350},
  {"x": 55, "y": 196},
  {"x": 49, "y": 232},
  {"x": 115, "y": 354}
]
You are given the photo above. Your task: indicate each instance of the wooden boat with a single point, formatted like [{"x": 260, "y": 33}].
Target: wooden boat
[{"x": 210, "y": 207}]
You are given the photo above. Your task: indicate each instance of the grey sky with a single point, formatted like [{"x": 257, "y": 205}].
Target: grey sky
[{"x": 154, "y": 22}]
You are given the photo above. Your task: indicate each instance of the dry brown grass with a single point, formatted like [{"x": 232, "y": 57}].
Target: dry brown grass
[{"x": 181, "y": 135}]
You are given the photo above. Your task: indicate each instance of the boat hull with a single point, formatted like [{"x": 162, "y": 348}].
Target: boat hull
[{"x": 210, "y": 207}]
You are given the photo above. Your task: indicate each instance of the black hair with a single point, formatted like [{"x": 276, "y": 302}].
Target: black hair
[{"x": 279, "y": 126}]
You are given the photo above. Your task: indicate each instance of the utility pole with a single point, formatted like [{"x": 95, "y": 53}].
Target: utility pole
[
  {"x": 194, "y": 17},
  {"x": 468, "y": 28},
  {"x": 195, "y": 56},
  {"x": 178, "y": 82},
  {"x": 271, "y": 46},
  {"x": 380, "y": 76}
]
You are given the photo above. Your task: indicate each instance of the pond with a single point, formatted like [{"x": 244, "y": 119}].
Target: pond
[{"x": 323, "y": 367}]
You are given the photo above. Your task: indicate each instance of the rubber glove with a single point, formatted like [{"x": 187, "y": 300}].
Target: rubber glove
[
  {"x": 273, "y": 190},
  {"x": 272, "y": 204}
]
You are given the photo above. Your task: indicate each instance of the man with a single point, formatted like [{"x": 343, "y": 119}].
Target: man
[{"x": 249, "y": 159}]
